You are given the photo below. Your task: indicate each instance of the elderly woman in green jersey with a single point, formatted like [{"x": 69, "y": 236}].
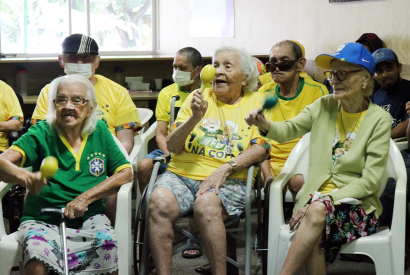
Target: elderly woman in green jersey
[
  {"x": 349, "y": 147},
  {"x": 91, "y": 167}
]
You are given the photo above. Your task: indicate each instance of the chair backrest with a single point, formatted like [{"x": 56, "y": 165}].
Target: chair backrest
[
  {"x": 300, "y": 156},
  {"x": 145, "y": 114}
]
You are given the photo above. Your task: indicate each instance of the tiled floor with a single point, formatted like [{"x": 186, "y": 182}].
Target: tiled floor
[{"x": 340, "y": 267}]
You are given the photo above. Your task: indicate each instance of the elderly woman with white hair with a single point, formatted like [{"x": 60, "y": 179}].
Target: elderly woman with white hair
[
  {"x": 207, "y": 173},
  {"x": 91, "y": 167}
]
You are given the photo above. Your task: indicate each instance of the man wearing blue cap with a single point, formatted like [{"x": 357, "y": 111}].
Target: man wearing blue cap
[{"x": 394, "y": 92}]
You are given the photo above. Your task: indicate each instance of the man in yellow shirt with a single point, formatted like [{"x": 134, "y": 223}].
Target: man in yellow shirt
[
  {"x": 11, "y": 115},
  {"x": 187, "y": 69},
  {"x": 294, "y": 90},
  {"x": 115, "y": 107}
]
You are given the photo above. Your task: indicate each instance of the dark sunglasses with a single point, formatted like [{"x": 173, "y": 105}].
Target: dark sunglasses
[
  {"x": 283, "y": 65},
  {"x": 341, "y": 75}
]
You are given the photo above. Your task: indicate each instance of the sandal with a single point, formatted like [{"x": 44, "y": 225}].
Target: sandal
[
  {"x": 192, "y": 246},
  {"x": 206, "y": 270}
]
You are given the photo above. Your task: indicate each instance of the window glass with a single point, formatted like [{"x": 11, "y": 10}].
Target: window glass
[
  {"x": 119, "y": 25},
  {"x": 39, "y": 26},
  {"x": 33, "y": 26}
]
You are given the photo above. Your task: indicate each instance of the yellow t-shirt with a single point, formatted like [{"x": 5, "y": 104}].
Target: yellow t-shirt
[
  {"x": 267, "y": 78},
  {"x": 115, "y": 106},
  {"x": 287, "y": 108},
  {"x": 347, "y": 125},
  {"x": 221, "y": 136},
  {"x": 163, "y": 109},
  {"x": 10, "y": 109}
]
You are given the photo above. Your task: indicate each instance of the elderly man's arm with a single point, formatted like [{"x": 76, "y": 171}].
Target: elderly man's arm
[
  {"x": 126, "y": 137},
  {"x": 256, "y": 153},
  {"x": 110, "y": 186},
  {"x": 176, "y": 138},
  {"x": 400, "y": 130},
  {"x": 11, "y": 125},
  {"x": 161, "y": 138}
]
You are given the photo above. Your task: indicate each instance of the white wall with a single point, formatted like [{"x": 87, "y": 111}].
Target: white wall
[{"x": 319, "y": 25}]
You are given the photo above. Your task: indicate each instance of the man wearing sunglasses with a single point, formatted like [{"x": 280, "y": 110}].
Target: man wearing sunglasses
[
  {"x": 115, "y": 107},
  {"x": 295, "y": 90}
]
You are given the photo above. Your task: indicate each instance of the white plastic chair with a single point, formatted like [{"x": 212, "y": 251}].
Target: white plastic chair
[
  {"x": 11, "y": 252},
  {"x": 385, "y": 247},
  {"x": 145, "y": 114}
]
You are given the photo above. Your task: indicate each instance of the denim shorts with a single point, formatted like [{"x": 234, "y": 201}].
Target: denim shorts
[
  {"x": 154, "y": 154},
  {"x": 232, "y": 193}
]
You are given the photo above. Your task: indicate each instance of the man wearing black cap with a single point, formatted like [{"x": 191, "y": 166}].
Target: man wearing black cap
[
  {"x": 115, "y": 106},
  {"x": 394, "y": 92}
]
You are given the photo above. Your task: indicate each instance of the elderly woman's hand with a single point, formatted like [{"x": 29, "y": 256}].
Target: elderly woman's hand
[
  {"x": 76, "y": 208},
  {"x": 297, "y": 217},
  {"x": 259, "y": 120},
  {"x": 34, "y": 182},
  {"x": 215, "y": 180},
  {"x": 198, "y": 105}
]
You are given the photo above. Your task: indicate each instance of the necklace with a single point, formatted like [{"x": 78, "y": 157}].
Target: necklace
[
  {"x": 228, "y": 148},
  {"x": 346, "y": 143}
]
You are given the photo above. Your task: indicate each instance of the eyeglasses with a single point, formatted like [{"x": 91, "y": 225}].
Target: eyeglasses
[
  {"x": 74, "y": 58},
  {"x": 283, "y": 65},
  {"x": 77, "y": 101},
  {"x": 341, "y": 75}
]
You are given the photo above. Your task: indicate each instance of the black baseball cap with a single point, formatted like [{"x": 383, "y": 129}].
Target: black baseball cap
[
  {"x": 80, "y": 44},
  {"x": 372, "y": 40}
]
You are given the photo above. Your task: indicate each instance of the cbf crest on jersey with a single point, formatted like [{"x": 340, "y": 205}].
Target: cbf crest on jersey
[{"x": 97, "y": 166}]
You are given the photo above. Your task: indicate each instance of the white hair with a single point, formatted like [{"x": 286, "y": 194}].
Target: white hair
[
  {"x": 90, "y": 122},
  {"x": 248, "y": 66}
]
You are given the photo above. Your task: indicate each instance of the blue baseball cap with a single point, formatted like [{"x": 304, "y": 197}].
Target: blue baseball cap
[
  {"x": 349, "y": 52},
  {"x": 384, "y": 54}
]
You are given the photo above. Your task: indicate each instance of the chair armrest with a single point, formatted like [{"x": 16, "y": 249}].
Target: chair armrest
[
  {"x": 140, "y": 148},
  {"x": 4, "y": 188},
  {"x": 165, "y": 158},
  {"x": 123, "y": 227}
]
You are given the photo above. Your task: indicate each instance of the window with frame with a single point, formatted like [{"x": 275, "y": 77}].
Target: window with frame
[{"x": 31, "y": 28}]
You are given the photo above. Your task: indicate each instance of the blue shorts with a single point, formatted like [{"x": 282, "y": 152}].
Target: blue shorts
[
  {"x": 232, "y": 193},
  {"x": 154, "y": 154}
]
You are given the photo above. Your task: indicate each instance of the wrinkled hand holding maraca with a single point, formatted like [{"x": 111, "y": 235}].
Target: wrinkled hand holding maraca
[
  {"x": 256, "y": 117},
  {"x": 35, "y": 182},
  {"x": 198, "y": 104}
]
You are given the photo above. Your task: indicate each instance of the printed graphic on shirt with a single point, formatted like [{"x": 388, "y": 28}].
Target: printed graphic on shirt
[
  {"x": 341, "y": 145},
  {"x": 216, "y": 139},
  {"x": 96, "y": 164},
  {"x": 394, "y": 122}
]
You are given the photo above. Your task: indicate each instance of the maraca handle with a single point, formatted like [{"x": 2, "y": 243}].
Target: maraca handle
[{"x": 203, "y": 86}]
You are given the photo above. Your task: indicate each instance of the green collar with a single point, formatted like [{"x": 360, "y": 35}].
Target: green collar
[
  {"x": 182, "y": 90},
  {"x": 301, "y": 84}
]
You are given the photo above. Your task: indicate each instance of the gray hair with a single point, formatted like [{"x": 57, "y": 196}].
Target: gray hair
[
  {"x": 248, "y": 66},
  {"x": 90, "y": 122},
  {"x": 193, "y": 55}
]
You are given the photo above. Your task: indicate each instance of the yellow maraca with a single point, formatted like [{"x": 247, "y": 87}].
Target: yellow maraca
[
  {"x": 49, "y": 167},
  {"x": 207, "y": 75}
]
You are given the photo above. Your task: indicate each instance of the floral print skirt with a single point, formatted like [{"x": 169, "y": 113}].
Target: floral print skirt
[
  {"x": 345, "y": 223},
  {"x": 92, "y": 249}
]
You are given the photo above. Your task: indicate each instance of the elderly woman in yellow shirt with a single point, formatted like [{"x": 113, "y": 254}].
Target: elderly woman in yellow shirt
[
  {"x": 212, "y": 147},
  {"x": 347, "y": 157}
]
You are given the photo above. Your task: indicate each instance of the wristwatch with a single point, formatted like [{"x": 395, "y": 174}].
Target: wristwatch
[{"x": 231, "y": 162}]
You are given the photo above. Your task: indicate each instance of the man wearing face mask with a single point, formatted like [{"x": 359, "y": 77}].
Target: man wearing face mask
[
  {"x": 115, "y": 106},
  {"x": 295, "y": 89},
  {"x": 187, "y": 69}
]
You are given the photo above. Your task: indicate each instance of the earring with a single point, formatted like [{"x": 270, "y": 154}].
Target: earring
[{"x": 364, "y": 85}]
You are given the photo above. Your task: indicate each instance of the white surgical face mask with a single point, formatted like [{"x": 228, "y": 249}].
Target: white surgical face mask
[
  {"x": 79, "y": 69},
  {"x": 182, "y": 78}
]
